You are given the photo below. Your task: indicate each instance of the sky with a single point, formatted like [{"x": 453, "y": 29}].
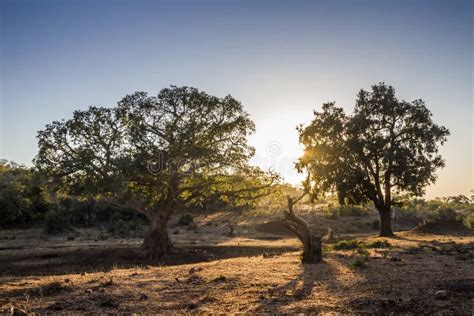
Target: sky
[{"x": 281, "y": 59}]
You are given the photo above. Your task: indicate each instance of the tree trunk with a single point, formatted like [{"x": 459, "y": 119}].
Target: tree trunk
[
  {"x": 385, "y": 223},
  {"x": 157, "y": 243},
  {"x": 341, "y": 199},
  {"x": 312, "y": 249}
]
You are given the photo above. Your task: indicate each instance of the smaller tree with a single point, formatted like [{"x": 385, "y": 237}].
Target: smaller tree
[
  {"x": 386, "y": 147},
  {"x": 312, "y": 248}
]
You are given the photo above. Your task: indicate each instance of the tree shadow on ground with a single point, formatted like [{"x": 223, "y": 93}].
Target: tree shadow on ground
[
  {"x": 312, "y": 278},
  {"x": 103, "y": 259}
]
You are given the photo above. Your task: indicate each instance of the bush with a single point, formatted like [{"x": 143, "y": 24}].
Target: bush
[
  {"x": 359, "y": 260},
  {"x": 375, "y": 224},
  {"x": 360, "y": 257},
  {"x": 469, "y": 221},
  {"x": 347, "y": 245},
  {"x": 120, "y": 228},
  {"x": 446, "y": 220},
  {"x": 331, "y": 211},
  {"x": 83, "y": 213},
  {"x": 417, "y": 208},
  {"x": 92, "y": 212},
  {"x": 439, "y": 209},
  {"x": 360, "y": 247},
  {"x": 185, "y": 220},
  {"x": 278, "y": 199},
  {"x": 362, "y": 251},
  {"x": 380, "y": 244},
  {"x": 445, "y": 213},
  {"x": 57, "y": 221},
  {"x": 353, "y": 210},
  {"x": 22, "y": 195},
  {"x": 124, "y": 228},
  {"x": 102, "y": 236},
  {"x": 105, "y": 210}
]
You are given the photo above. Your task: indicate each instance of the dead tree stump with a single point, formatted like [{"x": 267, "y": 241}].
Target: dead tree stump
[{"x": 312, "y": 249}]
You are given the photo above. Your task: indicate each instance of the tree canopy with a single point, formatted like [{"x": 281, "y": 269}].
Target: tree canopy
[
  {"x": 157, "y": 152},
  {"x": 386, "y": 146}
]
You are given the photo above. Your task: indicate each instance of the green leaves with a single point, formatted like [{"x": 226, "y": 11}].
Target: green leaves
[
  {"x": 22, "y": 195},
  {"x": 386, "y": 144},
  {"x": 158, "y": 151},
  {"x": 81, "y": 155}
]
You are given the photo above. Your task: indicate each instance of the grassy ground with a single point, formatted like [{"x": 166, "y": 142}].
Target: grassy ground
[{"x": 247, "y": 273}]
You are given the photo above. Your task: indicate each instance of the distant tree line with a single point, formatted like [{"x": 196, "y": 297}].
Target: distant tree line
[
  {"x": 23, "y": 198},
  {"x": 27, "y": 200}
]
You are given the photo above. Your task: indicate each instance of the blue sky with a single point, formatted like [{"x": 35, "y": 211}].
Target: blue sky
[{"x": 281, "y": 59}]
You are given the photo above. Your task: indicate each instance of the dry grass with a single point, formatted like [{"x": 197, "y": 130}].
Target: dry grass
[{"x": 244, "y": 274}]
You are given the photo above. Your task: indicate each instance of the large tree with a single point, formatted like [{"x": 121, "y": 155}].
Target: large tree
[
  {"x": 387, "y": 146},
  {"x": 158, "y": 153}
]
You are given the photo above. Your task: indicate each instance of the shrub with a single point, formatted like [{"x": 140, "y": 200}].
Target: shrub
[
  {"x": 360, "y": 257},
  {"x": 330, "y": 212},
  {"x": 124, "y": 228},
  {"x": 446, "y": 220},
  {"x": 333, "y": 212},
  {"x": 444, "y": 207},
  {"x": 362, "y": 251},
  {"x": 438, "y": 210},
  {"x": 82, "y": 213},
  {"x": 360, "y": 247},
  {"x": 328, "y": 248},
  {"x": 57, "y": 221},
  {"x": 347, "y": 245},
  {"x": 375, "y": 224},
  {"x": 353, "y": 210},
  {"x": 469, "y": 221},
  {"x": 185, "y": 220},
  {"x": 278, "y": 198},
  {"x": 359, "y": 260},
  {"x": 380, "y": 244},
  {"x": 102, "y": 236},
  {"x": 120, "y": 228},
  {"x": 22, "y": 195},
  {"x": 416, "y": 208},
  {"x": 445, "y": 213}
]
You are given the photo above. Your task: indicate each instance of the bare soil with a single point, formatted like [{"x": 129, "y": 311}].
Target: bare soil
[{"x": 251, "y": 272}]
